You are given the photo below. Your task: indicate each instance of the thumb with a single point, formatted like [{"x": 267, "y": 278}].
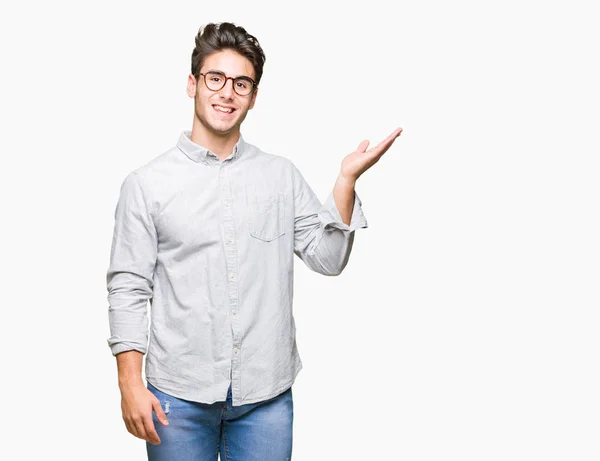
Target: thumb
[
  {"x": 363, "y": 146},
  {"x": 160, "y": 414}
]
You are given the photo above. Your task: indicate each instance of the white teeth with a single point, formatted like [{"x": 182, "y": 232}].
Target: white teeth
[{"x": 224, "y": 109}]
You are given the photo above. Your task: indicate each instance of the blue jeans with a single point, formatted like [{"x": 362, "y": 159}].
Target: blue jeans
[{"x": 259, "y": 431}]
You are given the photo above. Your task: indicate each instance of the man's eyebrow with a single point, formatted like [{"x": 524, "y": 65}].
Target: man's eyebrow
[{"x": 221, "y": 72}]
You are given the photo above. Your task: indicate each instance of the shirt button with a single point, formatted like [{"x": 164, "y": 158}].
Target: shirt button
[
  {"x": 229, "y": 238},
  {"x": 236, "y": 350},
  {"x": 234, "y": 312},
  {"x": 231, "y": 276}
]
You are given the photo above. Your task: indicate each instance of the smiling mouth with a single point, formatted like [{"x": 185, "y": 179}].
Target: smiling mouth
[{"x": 223, "y": 110}]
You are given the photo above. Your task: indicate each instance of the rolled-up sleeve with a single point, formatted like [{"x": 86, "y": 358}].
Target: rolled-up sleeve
[
  {"x": 321, "y": 239},
  {"x": 130, "y": 273}
]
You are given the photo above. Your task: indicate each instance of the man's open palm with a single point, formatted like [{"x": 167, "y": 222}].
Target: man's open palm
[{"x": 362, "y": 159}]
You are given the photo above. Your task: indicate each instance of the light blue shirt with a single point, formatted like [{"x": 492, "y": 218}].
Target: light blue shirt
[{"x": 211, "y": 245}]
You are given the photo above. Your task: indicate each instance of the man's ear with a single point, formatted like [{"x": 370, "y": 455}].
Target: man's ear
[
  {"x": 191, "y": 86},
  {"x": 253, "y": 98}
]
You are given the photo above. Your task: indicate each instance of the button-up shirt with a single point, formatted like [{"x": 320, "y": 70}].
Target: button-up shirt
[{"x": 210, "y": 245}]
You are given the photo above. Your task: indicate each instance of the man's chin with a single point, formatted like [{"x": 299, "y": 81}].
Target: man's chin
[
  {"x": 221, "y": 130},
  {"x": 219, "y": 127}
]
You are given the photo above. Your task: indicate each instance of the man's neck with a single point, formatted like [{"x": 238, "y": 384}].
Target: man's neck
[{"x": 221, "y": 146}]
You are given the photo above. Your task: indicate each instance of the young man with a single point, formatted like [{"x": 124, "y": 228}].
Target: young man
[{"x": 207, "y": 232}]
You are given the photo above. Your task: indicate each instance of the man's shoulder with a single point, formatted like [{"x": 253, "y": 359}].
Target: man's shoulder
[
  {"x": 154, "y": 172},
  {"x": 159, "y": 164}
]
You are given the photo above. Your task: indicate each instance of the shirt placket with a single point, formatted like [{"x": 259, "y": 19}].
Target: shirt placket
[{"x": 232, "y": 276}]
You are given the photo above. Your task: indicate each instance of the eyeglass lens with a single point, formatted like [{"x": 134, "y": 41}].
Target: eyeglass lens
[{"x": 216, "y": 81}]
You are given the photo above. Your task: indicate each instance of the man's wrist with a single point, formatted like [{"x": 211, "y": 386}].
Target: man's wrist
[
  {"x": 127, "y": 382},
  {"x": 346, "y": 182},
  {"x": 129, "y": 365}
]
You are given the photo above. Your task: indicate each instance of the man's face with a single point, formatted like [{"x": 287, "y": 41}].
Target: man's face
[{"x": 232, "y": 64}]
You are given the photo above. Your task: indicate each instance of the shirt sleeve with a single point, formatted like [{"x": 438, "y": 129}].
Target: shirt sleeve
[
  {"x": 321, "y": 239},
  {"x": 130, "y": 273}
]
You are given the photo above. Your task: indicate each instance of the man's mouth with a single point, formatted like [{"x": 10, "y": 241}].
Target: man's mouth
[{"x": 223, "y": 110}]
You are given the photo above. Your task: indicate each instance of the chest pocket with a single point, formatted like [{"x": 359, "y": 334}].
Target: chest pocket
[{"x": 266, "y": 213}]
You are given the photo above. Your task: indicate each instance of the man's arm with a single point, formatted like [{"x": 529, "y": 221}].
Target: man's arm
[
  {"x": 137, "y": 402},
  {"x": 130, "y": 274},
  {"x": 324, "y": 233},
  {"x": 343, "y": 194},
  {"x": 322, "y": 237},
  {"x": 129, "y": 366},
  {"x": 130, "y": 285},
  {"x": 354, "y": 165}
]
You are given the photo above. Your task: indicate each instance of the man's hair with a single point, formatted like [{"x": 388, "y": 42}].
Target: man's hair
[{"x": 214, "y": 37}]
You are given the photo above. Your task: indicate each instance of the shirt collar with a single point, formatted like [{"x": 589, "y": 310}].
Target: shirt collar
[{"x": 201, "y": 154}]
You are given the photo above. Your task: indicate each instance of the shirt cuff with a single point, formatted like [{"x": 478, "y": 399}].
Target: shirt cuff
[
  {"x": 124, "y": 347},
  {"x": 330, "y": 215}
]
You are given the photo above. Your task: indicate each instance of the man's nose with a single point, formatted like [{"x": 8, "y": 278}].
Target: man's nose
[{"x": 227, "y": 90}]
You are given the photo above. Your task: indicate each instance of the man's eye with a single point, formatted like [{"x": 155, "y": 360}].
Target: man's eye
[
  {"x": 216, "y": 79},
  {"x": 242, "y": 84}
]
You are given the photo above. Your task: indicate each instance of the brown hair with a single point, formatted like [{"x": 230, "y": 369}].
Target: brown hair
[{"x": 214, "y": 37}]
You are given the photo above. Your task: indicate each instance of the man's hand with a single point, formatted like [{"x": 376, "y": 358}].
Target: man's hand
[
  {"x": 137, "y": 404},
  {"x": 361, "y": 160}
]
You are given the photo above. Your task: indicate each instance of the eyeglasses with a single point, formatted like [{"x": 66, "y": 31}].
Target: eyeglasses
[{"x": 214, "y": 81}]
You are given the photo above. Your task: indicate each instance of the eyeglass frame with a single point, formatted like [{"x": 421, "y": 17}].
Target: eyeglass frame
[{"x": 254, "y": 86}]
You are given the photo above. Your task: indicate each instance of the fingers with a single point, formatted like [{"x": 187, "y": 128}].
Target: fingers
[
  {"x": 362, "y": 147},
  {"x": 140, "y": 422},
  {"x": 392, "y": 137},
  {"x": 143, "y": 428},
  {"x": 151, "y": 435},
  {"x": 136, "y": 426},
  {"x": 140, "y": 429},
  {"x": 384, "y": 145},
  {"x": 160, "y": 414},
  {"x": 148, "y": 423}
]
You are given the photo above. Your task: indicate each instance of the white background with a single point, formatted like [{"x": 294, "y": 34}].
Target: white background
[{"x": 465, "y": 325}]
